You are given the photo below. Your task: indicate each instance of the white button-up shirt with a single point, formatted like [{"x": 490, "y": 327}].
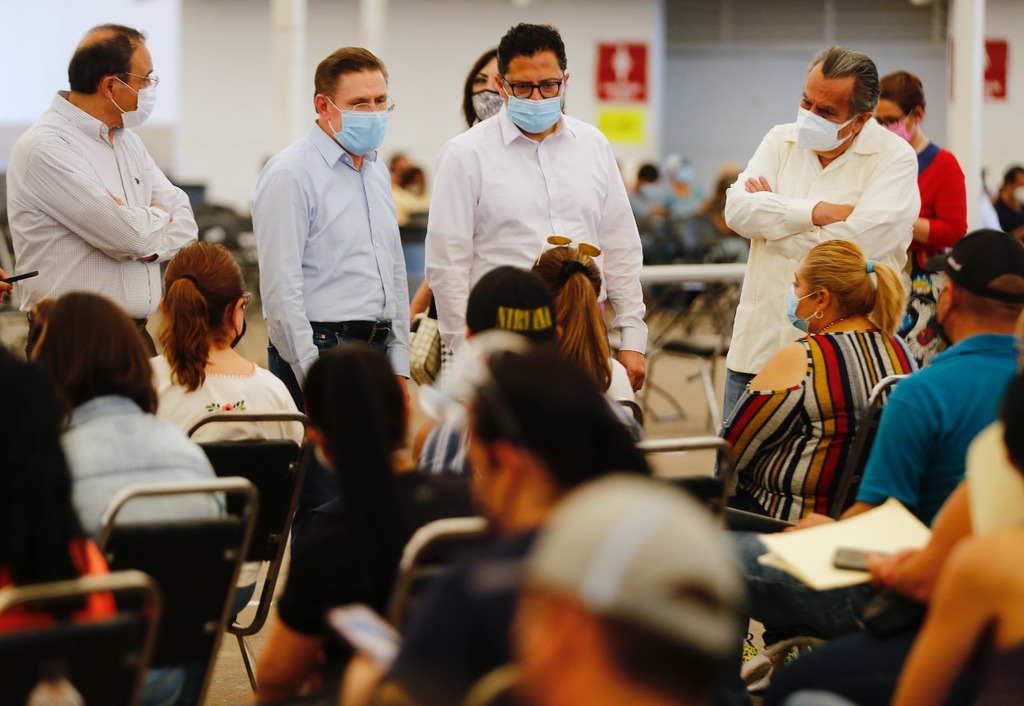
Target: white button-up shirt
[
  {"x": 877, "y": 174},
  {"x": 498, "y": 195},
  {"x": 65, "y": 224}
]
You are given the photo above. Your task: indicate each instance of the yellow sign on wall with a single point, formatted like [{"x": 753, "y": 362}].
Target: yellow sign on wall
[{"x": 622, "y": 125}]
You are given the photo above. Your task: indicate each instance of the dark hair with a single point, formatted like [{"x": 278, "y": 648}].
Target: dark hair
[
  {"x": 840, "y": 62},
  {"x": 660, "y": 663},
  {"x": 347, "y": 60},
  {"x": 575, "y": 282},
  {"x": 648, "y": 172},
  {"x": 1011, "y": 174},
  {"x": 411, "y": 175},
  {"x": 467, "y": 88},
  {"x": 103, "y": 56},
  {"x": 1012, "y": 415},
  {"x": 528, "y": 40},
  {"x": 540, "y": 401},
  {"x": 352, "y": 397},
  {"x": 202, "y": 284},
  {"x": 90, "y": 348},
  {"x": 904, "y": 89},
  {"x": 37, "y": 520}
]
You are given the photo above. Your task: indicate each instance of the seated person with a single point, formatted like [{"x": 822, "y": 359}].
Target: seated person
[
  {"x": 41, "y": 539},
  {"x": 659, "y": 632},
  {"x": 976, "y": 604},
  {"x": 538, "y": 428},
  {"x": 99, "y": 364},
  {"x": 793, "y": 429},
  {"x": 349, "y": 552},
  {"x": 575, "y": 283},
  {"x": 508, "y": 299},
  {"x": 989, "y": 501},
  {"x": 919, "y": 453},
  {"x": 199, "y": 372}
]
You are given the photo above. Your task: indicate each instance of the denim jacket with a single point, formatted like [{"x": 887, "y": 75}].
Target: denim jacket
[{"x": 111, "y": 444}]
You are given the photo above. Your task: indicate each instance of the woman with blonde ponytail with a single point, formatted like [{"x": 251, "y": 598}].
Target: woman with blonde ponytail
[
  {"x": 199, "y": 372},
  {"x": 793, "y": 428},
  {"x": 575, "y": 282}
]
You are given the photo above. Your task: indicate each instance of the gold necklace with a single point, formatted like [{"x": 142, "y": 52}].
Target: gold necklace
[{"x": 829, "y": 325}]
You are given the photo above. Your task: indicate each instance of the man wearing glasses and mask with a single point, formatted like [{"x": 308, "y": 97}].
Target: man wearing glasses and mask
[
  {"x": 331, "y": 263},
  {"x": 530, "y": 172},
  {"x": 834, "y": 173},
  {"x": 88, "y": 207}
]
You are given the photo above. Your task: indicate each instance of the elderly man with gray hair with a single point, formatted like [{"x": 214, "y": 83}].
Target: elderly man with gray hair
[{"x": 834, "y": 173}]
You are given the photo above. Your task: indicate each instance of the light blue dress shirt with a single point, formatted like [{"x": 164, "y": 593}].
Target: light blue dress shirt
[{"x": 329, "y": 248}]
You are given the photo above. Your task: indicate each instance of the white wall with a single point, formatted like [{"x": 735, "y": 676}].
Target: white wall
[
  {"x": 1002, "y": 142},
  {"x": 718, "y": 105},
  {"x": 38, "y": 37},
  {"x": 226, "y": 114}
]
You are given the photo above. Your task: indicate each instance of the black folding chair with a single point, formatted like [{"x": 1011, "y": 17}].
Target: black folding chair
[
  {"x": 428, "y": 554},
  {"x": 105, "y": 660},
  {"x": 276, "y": 467},
  {"x": 195, "y": 562},
  {"x": 709, "y": 487},
  {"x": 864, "y": 438}
]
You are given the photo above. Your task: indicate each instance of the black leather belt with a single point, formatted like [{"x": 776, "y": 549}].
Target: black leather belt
[{"x": 369, "y": 331}]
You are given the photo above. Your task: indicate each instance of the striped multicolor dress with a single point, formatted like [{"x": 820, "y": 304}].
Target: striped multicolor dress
[{"x": 791, "y": 444}]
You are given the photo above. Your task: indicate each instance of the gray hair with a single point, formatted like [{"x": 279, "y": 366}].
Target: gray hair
[{"x": 840, "y": 62}]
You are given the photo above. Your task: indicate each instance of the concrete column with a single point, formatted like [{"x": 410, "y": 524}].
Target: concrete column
[
  {"x": 289, "y": 76},
  {"x": 967, "y": 40},
  {"x": 373, "y": 26}
]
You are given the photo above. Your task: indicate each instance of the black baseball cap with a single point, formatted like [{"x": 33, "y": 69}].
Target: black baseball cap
[
  {"x": 988, "y": 263},
  {"x": 514, "y": 300}
]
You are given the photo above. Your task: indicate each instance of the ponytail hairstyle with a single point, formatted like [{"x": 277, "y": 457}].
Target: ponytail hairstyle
[
  {"x": 202, "y": 284},
  {"x": 353, "y": 398},
  {"x": 575, "y": 282},
  {"x": 840, "y": 267}
]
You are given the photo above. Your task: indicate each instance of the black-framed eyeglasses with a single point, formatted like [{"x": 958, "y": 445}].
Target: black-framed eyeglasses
[
  {"x": 151, "y": 80},
  {"x": 548, "y": 89}
]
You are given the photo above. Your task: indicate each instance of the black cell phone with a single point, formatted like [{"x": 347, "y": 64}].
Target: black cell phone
[
  {"x": 852, "y": 559},
  {"x": 17, "y": 278}
]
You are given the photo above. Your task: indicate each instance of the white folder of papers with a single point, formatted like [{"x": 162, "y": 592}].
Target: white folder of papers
[{"x": 807, "y": 553}]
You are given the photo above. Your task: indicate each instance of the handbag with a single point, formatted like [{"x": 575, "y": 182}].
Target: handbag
[
  {"x": 890, "y": 613},
  {"x": 425, "y": 347}
]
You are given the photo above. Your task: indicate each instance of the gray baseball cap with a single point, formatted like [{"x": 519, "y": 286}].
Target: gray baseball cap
[{"x": 641, "y": 551}]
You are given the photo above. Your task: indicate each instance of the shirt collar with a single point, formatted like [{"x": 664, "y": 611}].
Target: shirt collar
[
  {"x": 89, "y": 125},
  {"x": 509, "y": 131},
  {"x": 330, "y": 150},
  {"x": 1000, "y": 343}
]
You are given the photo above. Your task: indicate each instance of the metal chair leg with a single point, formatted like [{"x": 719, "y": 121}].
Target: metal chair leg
[{"x": 249, "y": 660}]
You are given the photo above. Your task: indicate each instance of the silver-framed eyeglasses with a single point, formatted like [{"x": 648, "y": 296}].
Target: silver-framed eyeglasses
[
  {"x": 385, "y": 106},
  {"x": 151, "y": 80},
  {"x": 522, "y": 90}
]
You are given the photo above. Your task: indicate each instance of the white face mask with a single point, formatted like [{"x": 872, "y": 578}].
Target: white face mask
[
  {"x": 146, "y": 103},
  {"x": 815, "y": 133},
  {"x": 1018, "y": 194}
]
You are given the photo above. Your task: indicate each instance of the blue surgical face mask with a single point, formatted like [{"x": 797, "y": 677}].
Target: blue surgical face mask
[
  {"x": 792, "y": 300},
  {"x": 361, "y": 131},
  {"x": 650, "y": 191},
  {"x": 532, "y": 116}
]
